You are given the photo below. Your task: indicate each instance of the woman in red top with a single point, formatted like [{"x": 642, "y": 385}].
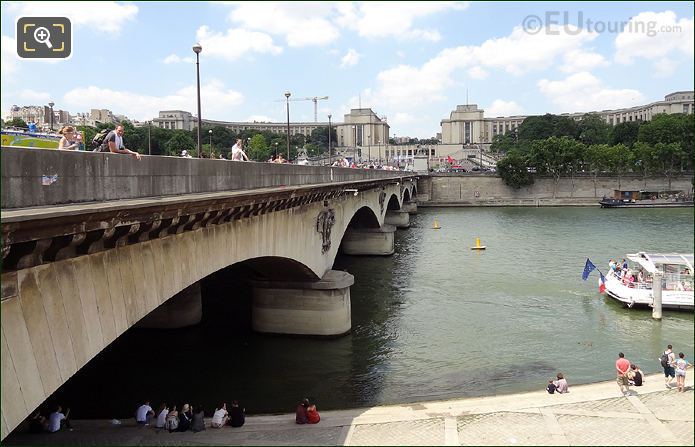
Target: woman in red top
[{"x": 313, "y": 414}]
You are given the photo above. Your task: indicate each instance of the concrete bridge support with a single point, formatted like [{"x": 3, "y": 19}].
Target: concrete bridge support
[
  {"x": 400, "y": 218},
  {"x": 303, "y": 308},
  {"x": 410, "y": 207},
  {"x": 369, "y": 241},
  {"x": 183, "y": 309}
]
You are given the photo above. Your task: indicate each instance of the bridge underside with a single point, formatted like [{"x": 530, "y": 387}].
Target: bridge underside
[{"x": 77, "y": 277}]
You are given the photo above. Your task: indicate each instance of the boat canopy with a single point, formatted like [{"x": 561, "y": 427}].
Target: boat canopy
[{"x": 650, "y": 260}]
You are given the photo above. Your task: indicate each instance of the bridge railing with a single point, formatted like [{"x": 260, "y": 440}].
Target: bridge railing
[{"x": 38, "y": 177}]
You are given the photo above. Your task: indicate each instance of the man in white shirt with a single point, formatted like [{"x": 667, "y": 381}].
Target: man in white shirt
[
  {"x": 114, "y": 142},
  {"x": 58, "y": 419},
  {"x": 238, "y": 153},
  {"x": 144, "y": 413}
]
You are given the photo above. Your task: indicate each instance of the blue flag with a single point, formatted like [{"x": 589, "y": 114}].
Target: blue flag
[{"x": 588, "y": 268}]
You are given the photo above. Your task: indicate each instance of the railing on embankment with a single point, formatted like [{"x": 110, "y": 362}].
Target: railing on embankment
[{"x": 37, "y": 177}]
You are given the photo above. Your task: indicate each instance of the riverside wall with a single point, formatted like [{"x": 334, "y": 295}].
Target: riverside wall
[{"x": 489, "y": 190}]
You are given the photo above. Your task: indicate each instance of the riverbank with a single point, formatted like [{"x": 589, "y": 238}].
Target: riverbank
[
  {"x": 490, "y": 190},
  {"x": 593, "y": 414}
]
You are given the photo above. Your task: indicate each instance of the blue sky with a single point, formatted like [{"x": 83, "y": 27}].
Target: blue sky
[{"x": 409, "y": 61}]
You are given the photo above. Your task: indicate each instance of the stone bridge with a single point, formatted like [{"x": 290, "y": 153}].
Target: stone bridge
[{"x": 95, "y": 243}]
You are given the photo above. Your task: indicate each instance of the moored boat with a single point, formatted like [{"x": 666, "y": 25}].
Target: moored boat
[
  {"x": 646, "y": 199},
  {"x": 634, "y": 287}
]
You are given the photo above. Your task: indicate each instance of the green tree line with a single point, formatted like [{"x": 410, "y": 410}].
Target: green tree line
[{"x": 559, "y": 146}]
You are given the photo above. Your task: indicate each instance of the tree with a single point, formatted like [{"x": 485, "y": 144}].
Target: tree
[
  {"x": 258, "y": 148},
  {"x": 669, "y": 158},
  {"x": 17, "y": 122},
  {"x": 596, "y": 156},
  {"x": 593, "y": 129},
  {"x": 319, "y": 138},
  {"x": 556, "y": 156},
  {"x": 503, "y": 143},
  {"x": 178, "y": 141},
  {"x": 546, "y": 126},
  {"x": 645, "y": 159},
  {"x": 619, "y": 159},
  {"x": 625, "y": 133},
  {"x": 514, "y": 170}
]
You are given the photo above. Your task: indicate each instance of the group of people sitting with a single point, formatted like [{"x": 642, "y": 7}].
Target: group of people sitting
[
  {"x": 53, "y": 423},
  {"x": 190, "y": 418},
  {"x": 560, "y": 385},
  {"x": 307, "y": 413}
]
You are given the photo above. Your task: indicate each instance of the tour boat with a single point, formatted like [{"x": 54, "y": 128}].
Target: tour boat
[{"x": 676, "y": 284}]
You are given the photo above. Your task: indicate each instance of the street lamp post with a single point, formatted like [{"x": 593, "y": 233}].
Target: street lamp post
[
  {"x": 149, "y": 138},
  {"x": 197, "y": 49},
  {"x": 329, "y": 140},
  {"x": 210, "y": 132},
  {"x": 51, "y": 104},
  {"x": 354, "y": 135},
  {"x": 276, "y": 149},
  {"x": 287, "y": 97}
]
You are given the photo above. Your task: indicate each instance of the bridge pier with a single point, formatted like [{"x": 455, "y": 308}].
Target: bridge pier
[
  {"x": 369, "y": 241},
  {"x": 303, "y": 308},
  {"x": 410, "y": 207},
  {"x": 183, "y": 309},
  {"x": 400, "y": 218}
]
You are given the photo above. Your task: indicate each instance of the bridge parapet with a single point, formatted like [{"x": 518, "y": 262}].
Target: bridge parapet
[{"x": 41, "y": 177}]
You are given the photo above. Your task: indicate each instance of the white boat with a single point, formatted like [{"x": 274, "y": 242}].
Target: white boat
[{"x": 676, "y": 285}]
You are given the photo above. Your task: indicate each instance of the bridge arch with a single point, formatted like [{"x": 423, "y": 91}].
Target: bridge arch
[{"x": 91, "y": 299}]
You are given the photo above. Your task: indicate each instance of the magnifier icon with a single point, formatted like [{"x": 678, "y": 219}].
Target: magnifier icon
[{"x": 42, "y": 35}]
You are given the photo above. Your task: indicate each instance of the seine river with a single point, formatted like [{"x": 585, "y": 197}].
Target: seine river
[{"x": 435, "y": 321}]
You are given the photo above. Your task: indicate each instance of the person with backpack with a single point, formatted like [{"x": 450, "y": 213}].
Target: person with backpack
[
  {"x": 668, "y": 359},
  {"x": 113, "y": 142}
]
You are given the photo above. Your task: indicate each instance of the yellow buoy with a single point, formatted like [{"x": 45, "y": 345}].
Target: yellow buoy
[
  {"x": 436, "y": 225},
  {"x": 477, "y": 245}
]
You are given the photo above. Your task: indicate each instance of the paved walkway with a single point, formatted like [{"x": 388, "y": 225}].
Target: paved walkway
[{"x": 595, "y": 414}]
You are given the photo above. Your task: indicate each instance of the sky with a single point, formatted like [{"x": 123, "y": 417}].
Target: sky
[{"x": 411, "y": 62}]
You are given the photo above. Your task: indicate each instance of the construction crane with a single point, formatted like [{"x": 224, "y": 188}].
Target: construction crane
[{"x": 315, "y": 99}]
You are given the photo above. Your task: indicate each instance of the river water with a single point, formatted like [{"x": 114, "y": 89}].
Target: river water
[{"x": 434, "y": 321}]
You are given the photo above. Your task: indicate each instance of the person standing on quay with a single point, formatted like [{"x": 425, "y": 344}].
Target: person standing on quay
[
  {"x": 622, "y": 365},
  {"x": 668, "y": 365},
  {"x": 680, "y": 366}
]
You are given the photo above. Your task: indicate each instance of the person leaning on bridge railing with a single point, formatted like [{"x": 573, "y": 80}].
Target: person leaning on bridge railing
[{"x": 114, "y": 142}]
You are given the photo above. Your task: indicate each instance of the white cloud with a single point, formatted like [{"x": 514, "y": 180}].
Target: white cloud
[
  {"x": 500, "y": 107},
  {"x": 235, "y": 43},
  {"x": 664, "y": 67},
  {"x": 27, "y": 96},
  {"x": 382, "y": 19},
  {"x": 477, "y": 73},
  {"x": 175, "y": 59},
  {"x": 584, "y": 92},
  {"x": 215, "y": 98},
  {"x": 109, "y": 17},
  {"x": 351, "y": 58},
  {"x": 406, "y": 87},
  {"x": 301, "y": 23},
  {"x": 581, "y": 60},
  {"x": 655, "y": 36},
  {"x": 9, "y": 60}
]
